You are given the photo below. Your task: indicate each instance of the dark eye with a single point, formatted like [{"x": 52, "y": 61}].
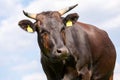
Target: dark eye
[
  {"x": 63, "y": 35},
  {"x": 63, "y": 29},
  {"x": 44, "y": 32},
  {"x": 45, "y": 39}
]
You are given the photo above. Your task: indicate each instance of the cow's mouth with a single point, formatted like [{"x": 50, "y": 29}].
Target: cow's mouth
[
  {"x": 64, "y": 56},
  {"x": 58, "y": 56}
]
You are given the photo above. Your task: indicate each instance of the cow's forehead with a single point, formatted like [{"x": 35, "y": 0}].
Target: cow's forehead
[
  {"x": 49, "y": 14},
  {"x": 52, "y": 24},
  {"x": 50, "y": 20}
]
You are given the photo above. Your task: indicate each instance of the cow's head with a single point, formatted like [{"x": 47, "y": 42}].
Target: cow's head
[{"x": 50, "y": 27}]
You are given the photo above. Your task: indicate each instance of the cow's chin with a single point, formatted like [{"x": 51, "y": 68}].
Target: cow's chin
[{"x": 60, "y": 56}]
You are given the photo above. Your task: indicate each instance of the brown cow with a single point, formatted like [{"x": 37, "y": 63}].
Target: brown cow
[{"x": 71, "y": 50}]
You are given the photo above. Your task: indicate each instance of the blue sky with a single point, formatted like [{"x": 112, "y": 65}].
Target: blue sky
[{"x": 19, "y": 51}]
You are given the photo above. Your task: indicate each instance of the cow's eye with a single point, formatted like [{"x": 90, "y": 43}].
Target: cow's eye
[
  {"x": 63, "y": 35},
  {"x": 45, "y": 39},
  {"x": 63, "y": 29},
  {"x": 44, "y": 33}
]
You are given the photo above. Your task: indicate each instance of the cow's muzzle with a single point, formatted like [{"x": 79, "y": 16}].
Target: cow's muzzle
[{"x": 62, "y": 53}]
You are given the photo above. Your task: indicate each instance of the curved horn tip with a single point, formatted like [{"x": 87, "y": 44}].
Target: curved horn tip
[
  {"x": 71, "y": 7},
  {"x": 65, "y": 10},
  {"x": 25, "y": 13},
  {"x": 30, "y": 15},
  {"x": 76, "y": 5}
]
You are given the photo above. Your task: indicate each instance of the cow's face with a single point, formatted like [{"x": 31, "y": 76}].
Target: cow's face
[{"x": 50, "y": 27}]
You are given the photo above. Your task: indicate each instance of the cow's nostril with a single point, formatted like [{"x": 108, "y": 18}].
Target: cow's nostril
[
  {"x": 62, "y": 50},
  {"x": 59, "y": 51}
]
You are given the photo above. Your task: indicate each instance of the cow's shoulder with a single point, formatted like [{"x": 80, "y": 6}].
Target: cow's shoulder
[{"x": 89, "y": 28}]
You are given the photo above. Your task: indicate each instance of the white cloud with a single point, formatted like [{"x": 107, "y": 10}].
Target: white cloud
[
  {"x": 35, "y": 76},
  {"x": 40, "y": 5},
  {"x": 8, "y": 7},
  {"x": 117, "y": 71},
  {"x": 111, "y": 23},
  {"x": 117, "y": 76},
  {"x": 25, "y": 67},
  {"x": 7, "y": 60},
  {"x": 112, "y": 4},
  {"x": 12, "y": 37},
  {"x": 9, "y": 30}
]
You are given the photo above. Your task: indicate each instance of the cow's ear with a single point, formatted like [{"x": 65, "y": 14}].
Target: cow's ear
[
  {"x": 27, "y": 25},
  {"x": 70, "y": 19}
]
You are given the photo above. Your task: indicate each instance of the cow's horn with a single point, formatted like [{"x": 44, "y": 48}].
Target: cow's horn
[
  {"x": 30, "y": 15},
  {"x": 65, "y": 10}
]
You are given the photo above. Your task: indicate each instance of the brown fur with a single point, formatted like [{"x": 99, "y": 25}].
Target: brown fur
[{"x": 79, "y": 52}]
